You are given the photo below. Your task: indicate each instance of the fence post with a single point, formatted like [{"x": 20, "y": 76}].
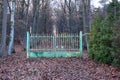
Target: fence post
[
  {"x": 28, "y": 44},
  {"x": 80, "y": 43},
  {"x": 54, "y": 45}
]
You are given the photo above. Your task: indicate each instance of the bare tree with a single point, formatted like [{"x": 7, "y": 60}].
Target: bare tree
[
  {"x": 86, "y": 20},
  {"x": 68, "y": 20},
  {"x": 27, "y": 15},
  {"x": 11, "y": 43},
  {"x": 4, "y": 28}
]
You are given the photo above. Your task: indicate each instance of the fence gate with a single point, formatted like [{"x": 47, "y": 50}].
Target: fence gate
[{"x": 63, "y": 45}]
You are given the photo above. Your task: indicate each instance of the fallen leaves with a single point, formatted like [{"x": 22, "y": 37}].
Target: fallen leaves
[{"x": 17, "y": 67}]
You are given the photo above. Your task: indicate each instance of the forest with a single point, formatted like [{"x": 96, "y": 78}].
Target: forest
[{"x": 63, "y": 29}]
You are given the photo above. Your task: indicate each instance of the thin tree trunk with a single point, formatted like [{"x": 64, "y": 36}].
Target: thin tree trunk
[
  {"x": 4, "y": 29},
  {"x": 34, "y": 16},
  {"x": 27, "y": 21},
  {"x": 115, "y": 9},
  {"x": 11, "y": 43},
  {"x": 85, "y": 24},
  {"x": 70, "y": 16}
]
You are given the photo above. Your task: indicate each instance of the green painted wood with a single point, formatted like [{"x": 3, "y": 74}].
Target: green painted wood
[
  {"x": 80, "y": 43},
  {"x": 28, "y": 44},
  {"x": 51, "y": 54}
]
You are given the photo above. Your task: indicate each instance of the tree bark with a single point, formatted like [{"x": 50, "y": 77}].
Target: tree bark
[
  {"x": 4, "y": 29},
  {"x": 27, "y": 21},
  {"x": 11, "y": 43},
  {"x": 85, "y": 21}
]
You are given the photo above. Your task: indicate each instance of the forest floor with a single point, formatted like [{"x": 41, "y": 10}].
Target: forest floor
[{"x": 18, "y": 67}]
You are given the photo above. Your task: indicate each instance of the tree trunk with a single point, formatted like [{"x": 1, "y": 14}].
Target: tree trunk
[
  {"x": 12, "y": 28},
  {"x": 27, "y": 21},
  {"x": 85, "y": 22},
  {"x": 4, "y": 28},
  {"x": 115, "y": 9},
  {"x": 35, "y": 15}
]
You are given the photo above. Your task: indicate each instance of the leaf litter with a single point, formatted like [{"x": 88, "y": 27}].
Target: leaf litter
[{"x": 18, "y": 67}]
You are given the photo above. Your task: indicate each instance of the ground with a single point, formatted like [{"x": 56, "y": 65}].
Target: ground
[{"x": 18, "y": 67}]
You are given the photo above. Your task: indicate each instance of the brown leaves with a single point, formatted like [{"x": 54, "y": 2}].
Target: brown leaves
[{"x": 17, "y": 67}]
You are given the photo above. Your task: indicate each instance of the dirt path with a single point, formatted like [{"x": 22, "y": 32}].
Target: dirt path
[{"x": 17, "y": 67}]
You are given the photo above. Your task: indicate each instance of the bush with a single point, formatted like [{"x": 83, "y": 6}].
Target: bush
[
  {"x": 100, "y": 41},
  {"x": 92, "y": 39},
  {"x": 104, "y": 39},
  {"x": 116, "y": 43}
]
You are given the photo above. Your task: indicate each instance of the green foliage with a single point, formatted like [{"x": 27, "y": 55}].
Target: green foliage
[
  {"x": 104, "y": 39},
  {"x": 113, "y": 9},
  {"x": 92, "y": 38},
  {"x": 100, "y": 41},
  {"x": 116, "y": 43}
]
